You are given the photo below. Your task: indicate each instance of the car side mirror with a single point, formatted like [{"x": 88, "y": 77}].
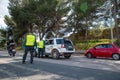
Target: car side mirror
[{"x": 94, "y": 47}]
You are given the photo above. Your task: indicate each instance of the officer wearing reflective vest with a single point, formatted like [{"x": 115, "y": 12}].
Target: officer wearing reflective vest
[
  {"x": 40, "y": 48},
  {"x": 29, "y": 44}
]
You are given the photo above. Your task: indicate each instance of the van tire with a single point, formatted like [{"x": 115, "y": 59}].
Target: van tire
[
  {"x": 55, "y": 54},
  {"x": 46, "y": 56}
]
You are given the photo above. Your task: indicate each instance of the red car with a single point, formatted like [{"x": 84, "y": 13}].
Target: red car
[{"x": 104, "y": 50}]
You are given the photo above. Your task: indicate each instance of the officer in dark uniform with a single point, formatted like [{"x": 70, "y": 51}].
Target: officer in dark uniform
[{"x": 29, "y": 44}]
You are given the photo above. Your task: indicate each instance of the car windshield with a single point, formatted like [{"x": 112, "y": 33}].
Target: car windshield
[{"x": 117, "y": 46}]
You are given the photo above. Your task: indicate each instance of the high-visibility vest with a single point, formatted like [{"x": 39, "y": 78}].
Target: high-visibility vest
[
  {"x": 30, "y": 39},
  {"x": 40, "y": 44}
]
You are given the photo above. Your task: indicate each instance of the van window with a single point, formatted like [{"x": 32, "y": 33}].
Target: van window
[
  {"x": 67, "y": 42},
  {"x": 51, "y": 42},
  {"x": 46, "y": 42},
  {"x": 59, "y": 41}
]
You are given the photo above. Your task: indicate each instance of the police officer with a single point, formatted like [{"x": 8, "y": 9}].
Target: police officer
[
  {"x": 29, "y": 44},
  {"x": 40, "y": 48}
]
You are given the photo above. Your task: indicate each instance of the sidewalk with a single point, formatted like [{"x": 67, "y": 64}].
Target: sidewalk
[{"x": 79, "y": 52}]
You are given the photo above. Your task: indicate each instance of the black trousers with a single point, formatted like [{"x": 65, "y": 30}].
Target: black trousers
[
  {"x": 40, "y": 52},
  {"x": 28, "y": 49}
]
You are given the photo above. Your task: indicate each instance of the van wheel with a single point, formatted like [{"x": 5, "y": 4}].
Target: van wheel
[
  {"x": 46, "y": 56},
  {"x": 116, "y": 56},
  {"x": 55, "y": 54},
  {"x": 67, "y": 56}
]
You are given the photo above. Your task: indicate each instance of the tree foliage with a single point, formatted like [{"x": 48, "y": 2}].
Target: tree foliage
[
  {"x": 80, "y": 20},
  {"x": 47, "y": 15},
  {"x": 2, "y": 37}
]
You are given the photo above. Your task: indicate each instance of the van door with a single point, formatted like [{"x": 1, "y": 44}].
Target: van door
[
  {"x": 48, "y": 46},
  {"x": 68, "y": 45}
]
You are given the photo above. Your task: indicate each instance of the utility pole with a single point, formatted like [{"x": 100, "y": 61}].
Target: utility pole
[
  {"x": 116, "y": 22},
  {"x": 111, "y": 29}
]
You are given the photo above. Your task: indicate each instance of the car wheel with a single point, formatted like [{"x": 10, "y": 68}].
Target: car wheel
[
  {"x": 116, "y": 56},
  {"x": 89, "y": 55},
  {"x": 67, "y": 56},
  {"x": 55, "y": 54}
]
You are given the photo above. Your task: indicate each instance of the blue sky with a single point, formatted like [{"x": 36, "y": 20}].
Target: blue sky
[{"x": 3, "y": 11}]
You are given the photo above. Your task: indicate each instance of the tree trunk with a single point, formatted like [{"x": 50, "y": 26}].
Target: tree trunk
[{"x": 116, "y": 22}]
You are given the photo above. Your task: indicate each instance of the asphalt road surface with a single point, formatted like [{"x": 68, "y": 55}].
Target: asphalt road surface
[{"x": 76, "y": 68}]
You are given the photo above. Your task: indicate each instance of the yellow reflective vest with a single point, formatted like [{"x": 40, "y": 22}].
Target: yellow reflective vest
[
  {"x": 30, "y": 40},
  {"x": 40, "y": 44}
]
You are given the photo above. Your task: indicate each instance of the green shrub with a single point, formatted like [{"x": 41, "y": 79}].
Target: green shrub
[{"x": 83, "y": 45}]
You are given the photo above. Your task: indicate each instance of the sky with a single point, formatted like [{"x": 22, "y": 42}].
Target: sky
[{"x": 3, "y": 11}]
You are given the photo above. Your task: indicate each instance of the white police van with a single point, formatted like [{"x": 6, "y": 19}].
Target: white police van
[{"x": 57, "y": 47}]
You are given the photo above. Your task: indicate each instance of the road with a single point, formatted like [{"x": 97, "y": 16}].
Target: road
[{"x": 76, "y": 68}]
